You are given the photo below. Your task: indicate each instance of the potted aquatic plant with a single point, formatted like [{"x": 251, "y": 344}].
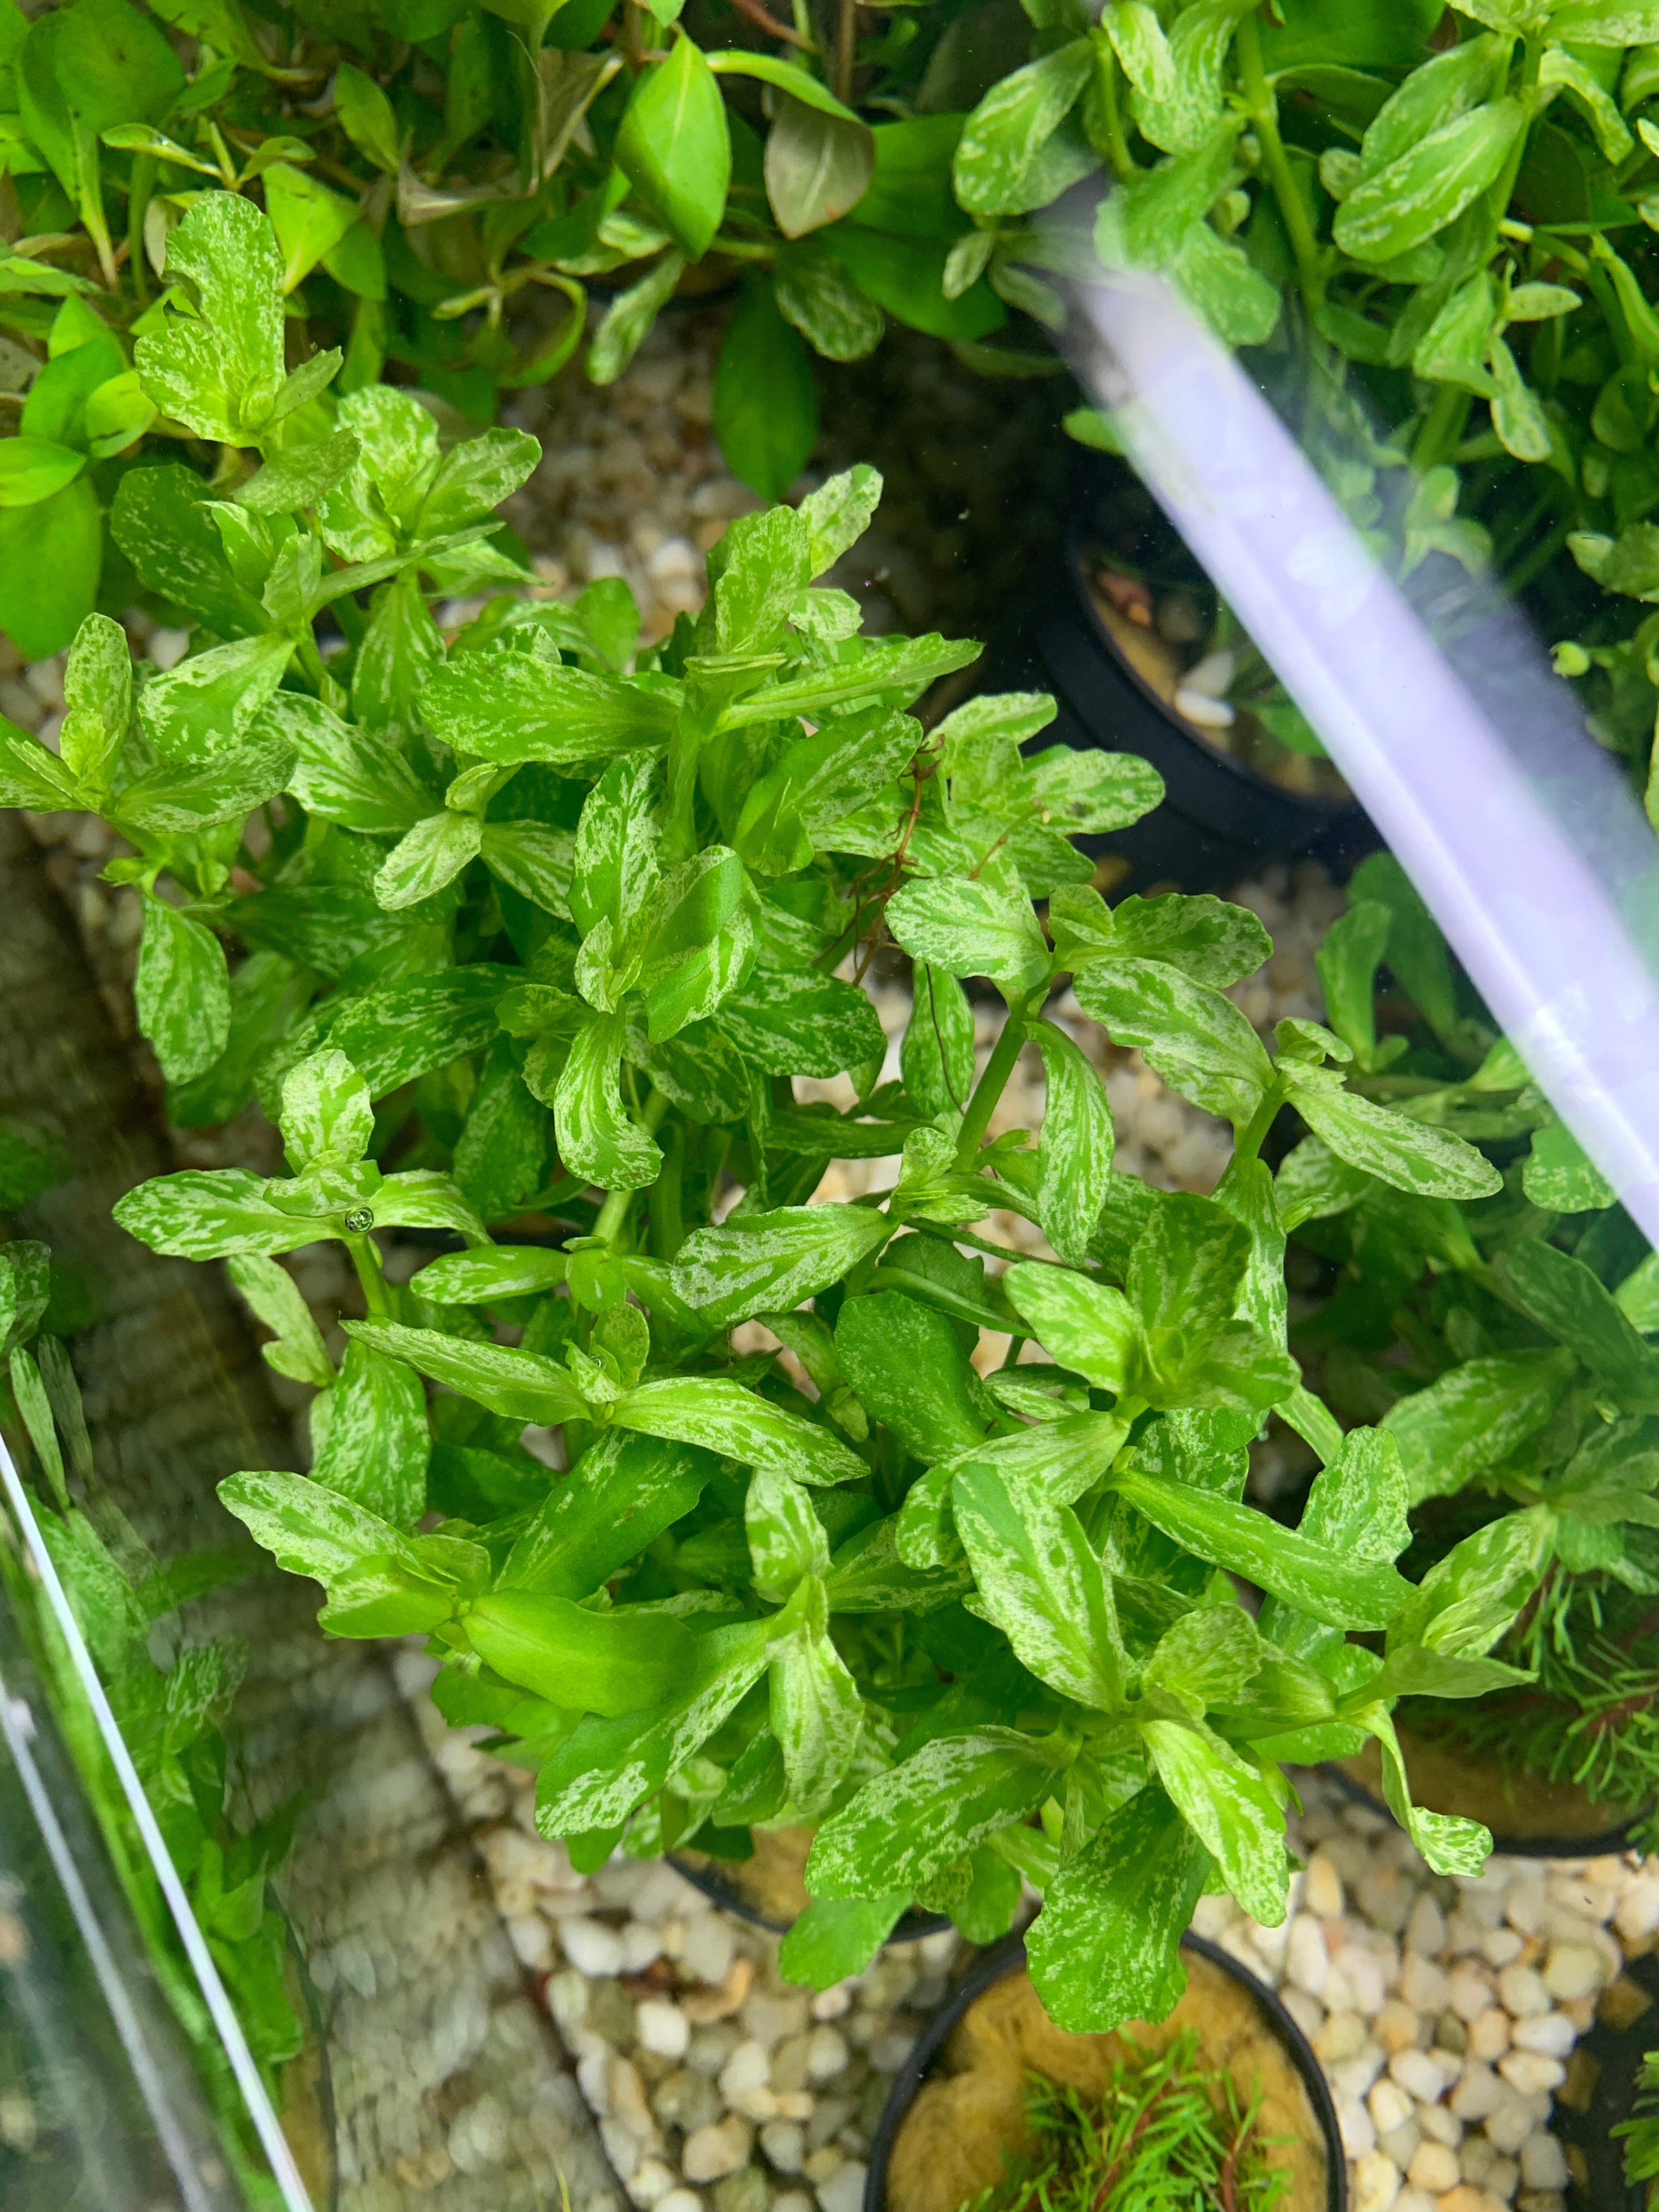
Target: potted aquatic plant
[
  {"x": 535, "y": 925},
  {"x": 1500, "y": 1343}
]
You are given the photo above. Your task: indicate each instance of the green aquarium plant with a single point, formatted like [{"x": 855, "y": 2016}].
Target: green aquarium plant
[
  {"x": 1641, "y": 2130},
  {"x": 1166, "y": 2134},
  {"x": 1506, "y": 1346},
  {"x": 170, "y": 1693},
  {"x": 534, "y": 928}
]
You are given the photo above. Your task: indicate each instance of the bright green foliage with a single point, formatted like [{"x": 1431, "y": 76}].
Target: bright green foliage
[
  {"x": 1641, "y": 2132},
  {"x": 862, "y": 1586},
  {"x": 1506, "y": 1348}
]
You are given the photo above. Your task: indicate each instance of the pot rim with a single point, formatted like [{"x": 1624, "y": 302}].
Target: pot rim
[
  {"x": 1322, "y": 812},
  {"x": 1008, "y": 1957},
  {"x": 1608, "y": 1843},
  {"x": 909, "y": 1928}
]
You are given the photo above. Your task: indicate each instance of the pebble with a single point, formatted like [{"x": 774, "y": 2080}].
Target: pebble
[{"x": 716, "y": 2150}]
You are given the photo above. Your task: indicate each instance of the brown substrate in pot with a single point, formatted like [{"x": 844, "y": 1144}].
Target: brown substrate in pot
[
  {"x": 951, "y": 2143},
  {"x": 773, "y": 1883},
  {"x": 1519, "y": 1807}
]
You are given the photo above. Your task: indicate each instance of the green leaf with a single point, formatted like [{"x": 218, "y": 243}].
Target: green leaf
[
  {"x": 822, "y": 299},
  {"x": 1087, "y": 1325},
  {"x": 761, "y": 1261},
  {"x": 629, "y": 316},
  {"x": 816, "y": 782},
  {"x": 1357, "y": 1507},
  {"x": 972, "y": 926},
  {"x": 1342, "y": 1591},
  {"x": 724, "y": 1417},
  {"x": 783, "y": 77},
  {"x": 675, "y": 146},
  {"x": 1208, "y": 1657},
  {"x": 1448, "y": 1843},
  {"x": 766, "y": 406},
  {"x": 181, "y": 993},
  {"x": 1004, "y": 136},
  {"x": 49, "y": 557},
  {"x": 1397, "y": 1149},
  {"x": 908, "y": 1824},
  {"x": 522, "y": 1385},
  {"x": 1568, "y": 1299},
  {"x": 342, "y": 774},
  {"x": 837, "y": 515},
  {"x": 1197, "y": 1041},
  {"x": 32, "y": 469},
  {"x": 508, "y": 706},
  {"x": 815, "y": 1711},
  {"x": 1396, "y": 207},
  {"x": 162, "y": 519},
  {"x": 380, "y": 1582},
  {"x": 209, "y": 702},
  {"x": 372, "y": 1445},
  {"x": 621, "y": 1662},
  {"x": 837, "y": 1936},
  {"x": 1106, "y": 1947},
  {"x": 31, "y": 774},
  {"x": 1469, "y": 1598},
  {"x": 404, "y": 1029},
  {"x": 213, "y": 1213},
  {"x": 1475, "y": 1415},
  {"x": 621, "y": 1495},
  {"x": 308, "y": 219},
  {"x": 1043, "y": 1585},
  {"x": 786, "y": 1540},
  {"x": 426, "y": 858},
  {"x": 598, "y": 1775},
  {"x": 367, "y": 117},
  {"x": 25, "y": 1289},
  {"x": 326, "y": 1118},
  {"x": 802, "y": 1024},
  {"x": 698, "y": 941},
  {"x": 936, "y": 1058},
  {"x": 598, "y": 1141},
  {"x": 817, "y": 166},
  {"x": 1074, "y": 1154},
  {"x": 185, "y": 800},
  {"x": 98, "y": 699},
  {"x": 274, "y": 1295},
  {"x": 219, "y": 373},
  {"x": 1560, "y": 1177},
  {"x": 909, "y": 1372},
  {"x": 1229, "y": 1806}
]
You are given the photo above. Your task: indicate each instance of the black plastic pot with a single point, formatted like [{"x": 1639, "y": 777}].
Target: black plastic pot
[
  {"x": 1600, "y": 2092},
  {"x": 1220, "y": 819},
  {"x": 1008, "y": 1957},
  {"x": 705, "y": 1874},
  {"x": 1610, "y": 1841}
]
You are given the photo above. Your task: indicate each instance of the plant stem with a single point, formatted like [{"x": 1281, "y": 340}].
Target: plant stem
[
  {"x": 990, "y": 1087},
  {"x": 846, "y": 34},
  {"x": 1442, "y": 427},
  {"x": 378, "y": 1295},
  {"x": 1292, "y": 207},
  {"x": 1254, "y": 1135},
  {"x": 1117, "y": 143}
]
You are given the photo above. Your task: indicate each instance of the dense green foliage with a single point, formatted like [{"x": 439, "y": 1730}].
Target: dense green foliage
[
  {"x": 542, "y": 927},
  {"x": 1641, "y": 2132},
  {"x": 1431, "y": 225},
  {"x": 1506, "y": 1346},
  {"x": 171, "y": 1696},
  {"x": 1165, "y": 2134}
]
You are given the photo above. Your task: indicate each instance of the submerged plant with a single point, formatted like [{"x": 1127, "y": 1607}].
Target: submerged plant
[
  {"x": 1166, "y": 2134},
  {"x": 539, "y": 928},
  {"x": 171, "y": 1697},
  {"x": 1641, "y": 2132},
  {"x": 1505, "y": 1346}
]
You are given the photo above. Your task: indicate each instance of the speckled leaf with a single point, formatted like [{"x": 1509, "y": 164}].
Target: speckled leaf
[
  {"x": 508, "y": 705},
  {"x": 1357, "y": 1506},
  {"x": 724, "y": 1417},
  {"x": 220, "y": 376},
  {"x": 908, "y": 1824},
  {"x": 1474, "y": 1415},
  {"x": 209, "y": 704},
  {"x": 1334, "y": 1588},
  {"x": 970, "y": 927},
  {"x": 1469, "y": 1598},
  {"x": 899, "y": 668},
  {"x": 764, "y": 1259},
  {"x": 327, "y": 1119},
  {"x": 598, "y": 1141},
  {"x": 837, "y": 1936},
  {"x": 1391, "y": 1145},
  {"x": 817, "y": 1715},
  {"x": 405, "y": 1029},
  {"x": 380, "y": 1582},
  {"x": 209, "y": 1213},
  {"x": 1391, "y": 210},
  {"x": 428, "y": 856},
  {"x": 181, "y": 993},
  {"x": 1106, "y": 1947},
  {"x": 522, "y": 1385},
  {"x": 1230, "y": 1809},
  {"x": 786, "y": 1540},
  {"x": 1197, "y": 1041},
  {"x": 788, "y": 1023},
  {"x": 838, "y": 513},
  {"x": 1010, "y": 126},
  {"x": 908, "y": 1371},
  {"x": 936, "y": 1058},
  {"x": 596, "y": 1777},
  {"x": 1450, "y": 1843},
  {"x": 98, "y": 698},
  {"x": 1075, "y": 1152},
  {"x": 185, "y": 800},
  {"x": 1559, "y": 1176},
  {"x": 1087, "y": 1325},
  {"x": 1043, "y": 1585},
  {"x": 375, "y": 1444},
  {"x": 274, "y": 1295}
]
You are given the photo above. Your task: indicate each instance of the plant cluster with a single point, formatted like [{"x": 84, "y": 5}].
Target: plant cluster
[
  {"x": 171, "y": 1695},
  {"x": 537, "y": 928},
  {"x": 1430, "y": 218},
  {"x": 1166, "y": 2134},
  {"x": 1505, "y": 1344},
  {"x": 1641, "y": 2132}
]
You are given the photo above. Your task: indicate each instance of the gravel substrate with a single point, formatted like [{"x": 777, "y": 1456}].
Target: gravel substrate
[{"x": 1445, "y": 2012}]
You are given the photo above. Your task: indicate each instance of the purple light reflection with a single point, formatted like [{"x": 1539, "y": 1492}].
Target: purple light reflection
[{"x": 1521, "y": 866}]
